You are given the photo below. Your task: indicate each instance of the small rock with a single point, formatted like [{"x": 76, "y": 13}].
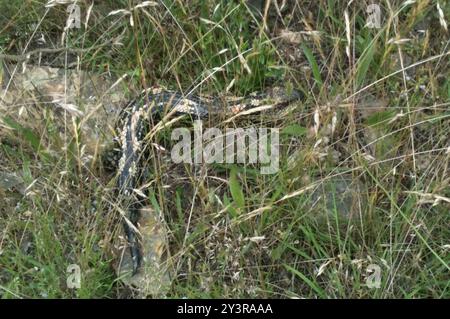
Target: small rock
[
  {"x": 153, "y": 278},
  {"x": 339, "y": 194}
]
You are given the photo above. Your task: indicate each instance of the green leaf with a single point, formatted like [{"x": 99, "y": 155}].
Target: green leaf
[
  {"x": 364, "y": 63},
  {"x": 380, "y": 117},
  {"x": 314, "y": 66},
  {"x": 154, "y": 201},
  {"x": 235, "y": 188},
  {"x": 294, "y": 130},
  {"x": 229, "y": 206},
  {"x": 309, "y": 282},
  {"x": 25, "y": 132},
  {"x": 448, "y": 88}
]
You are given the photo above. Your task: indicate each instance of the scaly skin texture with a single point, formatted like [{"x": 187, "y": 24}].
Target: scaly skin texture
[{"x": 138, "y": 116}]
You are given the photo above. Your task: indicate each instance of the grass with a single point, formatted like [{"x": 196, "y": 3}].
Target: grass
[{"x": 368, "y": 117}]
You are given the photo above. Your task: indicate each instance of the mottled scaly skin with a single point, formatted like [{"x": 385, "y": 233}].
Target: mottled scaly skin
[{"x": 136, "y": 120}]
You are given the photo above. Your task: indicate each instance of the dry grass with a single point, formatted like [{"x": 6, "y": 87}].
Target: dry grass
[{"x": 375, "y": 123}]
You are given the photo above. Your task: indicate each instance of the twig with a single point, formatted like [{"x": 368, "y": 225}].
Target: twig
[
  {"x": 27, "y": 56},
  {"x": 266, "y": 13}
]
